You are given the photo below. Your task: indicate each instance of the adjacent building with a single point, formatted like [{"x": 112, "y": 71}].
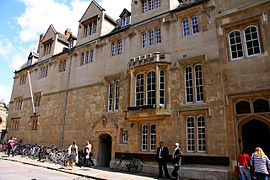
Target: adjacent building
[{"x": 195, "y": 72}]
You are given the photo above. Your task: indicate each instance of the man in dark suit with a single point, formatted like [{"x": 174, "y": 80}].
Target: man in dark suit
[
  {"x": 162, "y": 158},
  {"x": 176, "y": 160}
]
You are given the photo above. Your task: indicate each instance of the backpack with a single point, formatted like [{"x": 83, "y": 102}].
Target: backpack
[{"x": 73, "y": 150}]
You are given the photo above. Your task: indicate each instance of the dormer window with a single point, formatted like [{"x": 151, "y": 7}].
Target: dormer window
[
  {"x": 125, "y": 17},
  {"x": 90, "y": 27},
  {"x": 125, "y": 21},
  {"x": 47, "y": 48}
]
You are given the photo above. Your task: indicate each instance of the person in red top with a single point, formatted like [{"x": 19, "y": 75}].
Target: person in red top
[{"x": 243, "y": 163}]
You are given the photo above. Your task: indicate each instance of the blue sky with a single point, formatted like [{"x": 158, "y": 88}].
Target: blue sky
[{"x": 22, "y": 21}]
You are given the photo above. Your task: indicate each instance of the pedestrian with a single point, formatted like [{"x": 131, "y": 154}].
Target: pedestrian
[
  {"x": 88, "y": 154},
  {"x": 11, "y": 146},
  {"x": 243, "y": 164},
  {"x": 261, "y": 164},
  {"x": 162, "y": 158},
  {"x": 176, "y": 160},
  {"x": 73, "y": 154}
]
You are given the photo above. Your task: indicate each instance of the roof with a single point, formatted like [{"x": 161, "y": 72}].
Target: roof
[
  {"x": 93, "y": 1},
  {"x": 124, "y": 12}
]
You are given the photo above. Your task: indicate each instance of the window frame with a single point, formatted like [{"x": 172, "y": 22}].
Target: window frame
[
  {"x": 110, "y": 97},
  {"x": 116, "y": 95},
  {"x": 141, "y": 100},
  {"x": 150, "y": 91},
  {"x": 258, "y": 39}
]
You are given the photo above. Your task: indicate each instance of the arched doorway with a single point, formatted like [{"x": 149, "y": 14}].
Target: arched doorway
[
  {"x": 105, "y": 149},
  {"x": 255, "y": 134}
]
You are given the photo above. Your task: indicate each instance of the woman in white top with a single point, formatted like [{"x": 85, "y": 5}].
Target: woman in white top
[{"x": 261, "y": 164}]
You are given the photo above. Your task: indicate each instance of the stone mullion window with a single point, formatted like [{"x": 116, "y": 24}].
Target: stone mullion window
[
  {"x": 235, "y": 42},
  {"x": 157, "y": 3},
  {"x": 150, "y": 4},
  {"x": 152, "y": 137},
  {"x": 151, "y": 37},
  {"x": 124, "y": 136},
  {"x": 37, "y": 98},
  {"x": 252, "y": 41},
  {"x": 158, "y": 36},
  {"x": 162, "y": 87},
  {"x": 86, "y": 57},
  {"x": 110, "y": 97},
  {"x": 186, "y": 31},
  {"x": 189, "y": 84},
  {"x": 201, "y": 134},
  {"x": 144, "y": 6},
  {"x": 82, "y": 58},
  {"x": 91, "y": 56},
  {"x": 190, "y": 128},
  {"x": 139, "y": 91},
  {"x": 198, "y": 83},
  {"x": 144, "y": 40},
  {"x": 151, "y": 88},
  {"x": 119, "y": 47},
  {"x": 144, "y": 137},
  {"x": 22, "y": 79},
  {"x": 195, "y": 24},
  {"x": 116, "y": 95},
  {"x": 113, "y": 49}
]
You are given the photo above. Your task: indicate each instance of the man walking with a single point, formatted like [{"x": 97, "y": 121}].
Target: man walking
[
  {"x": 176, "y": 160},
  {"x": 162, "y": 157}
]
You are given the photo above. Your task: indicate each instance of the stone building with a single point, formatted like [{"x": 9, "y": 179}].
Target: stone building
[
  {"x": 195, "y": 72},
  {"x": 3, "y": 119}
]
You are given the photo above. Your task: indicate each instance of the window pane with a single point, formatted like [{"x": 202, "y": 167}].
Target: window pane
[
  {"x": 190, "y": 134},
  {"x": 189, "y": 88},
  {"x": 140, "y": 90},
  {"x": 195, "y": 25},
  {"x": 116, "y": 95},
  {"x": 162, "y": 87},
  {"x": 110, "y": 97},
  {"x": 144, "y": 137},
  {"x": 235, "y": 45},
  {"x": 201, "y": 141},
  {"x": 199, "y": 84},
  {"x": 185, "y": 28},
  {"x": 151, "y": 88},
  {"x": 152, "y": 137},
  {"x": 252, "y": 41}
]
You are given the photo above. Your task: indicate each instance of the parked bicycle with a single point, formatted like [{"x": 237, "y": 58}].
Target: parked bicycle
[{"x": 132, "y": 165}]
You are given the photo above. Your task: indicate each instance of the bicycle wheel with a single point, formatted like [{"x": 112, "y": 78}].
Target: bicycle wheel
[
  {"x": 138, "y": 165},
  {"x": 118, "y": 165}
]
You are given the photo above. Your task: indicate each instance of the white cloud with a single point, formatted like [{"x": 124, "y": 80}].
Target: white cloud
[
  {"x": 5, "y": 47},
  {"x": 5, "y": 93},
  {"x": 38, "y": 15},
  {"x": 114, "y": 8}
]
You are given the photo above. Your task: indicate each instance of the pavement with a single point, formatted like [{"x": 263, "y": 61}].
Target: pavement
[{"x": 97, "y": 173}]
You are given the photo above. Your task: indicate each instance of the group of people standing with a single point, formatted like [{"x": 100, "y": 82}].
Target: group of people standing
[
  {"x": 258, "y": 165},
  {"x": 74, "y": 154},
  {"x": 163, "y": 157}
]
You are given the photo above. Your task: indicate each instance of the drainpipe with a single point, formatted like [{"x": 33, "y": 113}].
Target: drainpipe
[
  {"x": 66, "y": 100},
  {"x": 31, "y": 92}
]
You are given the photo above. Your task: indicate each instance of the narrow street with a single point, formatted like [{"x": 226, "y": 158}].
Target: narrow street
[{"x": 17, "y": 170}]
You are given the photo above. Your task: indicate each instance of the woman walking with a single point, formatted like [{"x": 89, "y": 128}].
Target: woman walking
[
  {"x": 261, "y": 164},
  {"x": 73, "y": 154}
]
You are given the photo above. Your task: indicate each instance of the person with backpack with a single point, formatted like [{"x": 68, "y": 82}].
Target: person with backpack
[{"x": 73, "y": 154}]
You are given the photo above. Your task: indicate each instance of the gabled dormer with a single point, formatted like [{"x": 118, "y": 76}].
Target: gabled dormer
[
  {"x": 52, "y": 43},
  {"x": 125, "y": 17},
  {"x": 94, "y": 23},
  {"x": 145, "y": 9}
]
